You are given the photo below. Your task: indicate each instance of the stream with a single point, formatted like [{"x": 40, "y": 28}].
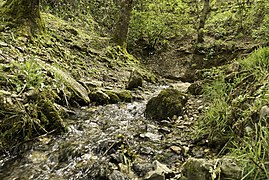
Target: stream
[{"x": 114, "y": 141}]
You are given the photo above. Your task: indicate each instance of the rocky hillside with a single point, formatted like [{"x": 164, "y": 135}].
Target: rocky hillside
[{"x": 65, "y": 67}]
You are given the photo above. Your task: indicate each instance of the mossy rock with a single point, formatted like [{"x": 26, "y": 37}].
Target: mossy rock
[
  {"x": 79, "y": 91},
  {"x": 113, "y": 97},
  {"x": 166, "y": 105},
  {"x": 99, "y": 97},
  {"x": 22, "y": 121},
  {"x": 125, "y": 96},
  {"x": 50, "y": 114}
]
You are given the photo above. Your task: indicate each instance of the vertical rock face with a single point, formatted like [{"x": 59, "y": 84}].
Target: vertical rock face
[{"x": 167, "y": 104}]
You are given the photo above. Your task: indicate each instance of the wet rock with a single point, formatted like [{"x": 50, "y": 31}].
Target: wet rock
[
  {"x": 160, "y": 172},
  {"x": 166, "y": 105},
  {"x": 203, "y": 169},
  {"x": 99, "y": 97},
  {"x": 117, "y": 175},
  {"x": 195, "y": 88},
  {"x": 135, "y": 80},
  {"x": 68, "y": 151},
  {"x": 141, "y": 169}
]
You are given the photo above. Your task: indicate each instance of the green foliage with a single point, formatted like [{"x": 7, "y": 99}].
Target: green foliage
[
  {"x": 26, "y": 103},
  {"x": 233, "y": 121},
  {"x": 258, "y": 61},
  {"x": 253, "y": 153},
  {"x": 29, "y": 75},
  {"x": 106, "y": 14},
  {"x": 262, "y": 32},
  {"x": 156, "y": 21},
  {"x": 216, "y": 116},
  {"x": 76, "y": 11}
]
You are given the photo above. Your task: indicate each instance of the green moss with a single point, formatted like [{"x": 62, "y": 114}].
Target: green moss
[
  {"x": 114, "y": 98},
  {"x": 167, "y": 104},
  {"x": 125, "y": 96},
  {"x": 118, "y": 53},
  {"x": 21, "y": 122},
  {"x": 68, "y": 80},
  {"x": 51, "y": 117},
  {"x": 24, "y": 15}
]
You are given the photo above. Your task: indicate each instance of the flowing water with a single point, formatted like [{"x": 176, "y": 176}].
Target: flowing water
[{"x": 99, "y": 140}]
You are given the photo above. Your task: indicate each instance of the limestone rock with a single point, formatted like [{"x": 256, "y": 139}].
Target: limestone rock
[
  {"x": 68, "y": 80},
  {"x": 229, "y": 169},
  {"x": 167, "y": 104},
  {"x": 141, "y": 169},
  {"x": 203, "y": 169},
  {"x": 135, "y": 80},
  {"x": 99, "y": 97},
  {"x": 117, "y": 175},
  {"x": 159, "y": 173},
  {"x": 182, "y": 87},
  {"x": 113, "y": 97},
  {"x": 264, "y": 112},
  {"x": 197, "y": 169}
]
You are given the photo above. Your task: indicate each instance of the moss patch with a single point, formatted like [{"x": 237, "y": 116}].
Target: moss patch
[
  {"x": 166, "y": 105},
  {"x": 22, "y": 121},
  {"x": 125, "y": 96}
]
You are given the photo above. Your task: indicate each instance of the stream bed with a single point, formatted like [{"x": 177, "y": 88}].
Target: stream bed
[{"x": 105, "y": 142}]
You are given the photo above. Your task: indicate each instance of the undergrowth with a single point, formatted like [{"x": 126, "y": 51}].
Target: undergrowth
[
  {"x": 27, "y": 107},
  {"x": 233, "y": 123}
]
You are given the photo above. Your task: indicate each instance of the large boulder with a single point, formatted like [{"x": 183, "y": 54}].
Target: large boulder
[{"x": 167, "y": 104}]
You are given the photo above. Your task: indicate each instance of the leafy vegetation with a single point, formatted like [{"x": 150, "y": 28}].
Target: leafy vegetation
[
  {"x": 234, "y": 121},
  {"x": 76, "y": 48}
]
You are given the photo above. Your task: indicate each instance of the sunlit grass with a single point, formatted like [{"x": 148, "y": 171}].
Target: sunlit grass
[{"x": 235, "y": 107}]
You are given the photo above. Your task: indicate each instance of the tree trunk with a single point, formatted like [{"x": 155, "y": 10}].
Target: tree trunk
[
  {"x": 121, "y": 31},
  {"x": 23, "y": 14},
  {"x": 203, "y": 17}
]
